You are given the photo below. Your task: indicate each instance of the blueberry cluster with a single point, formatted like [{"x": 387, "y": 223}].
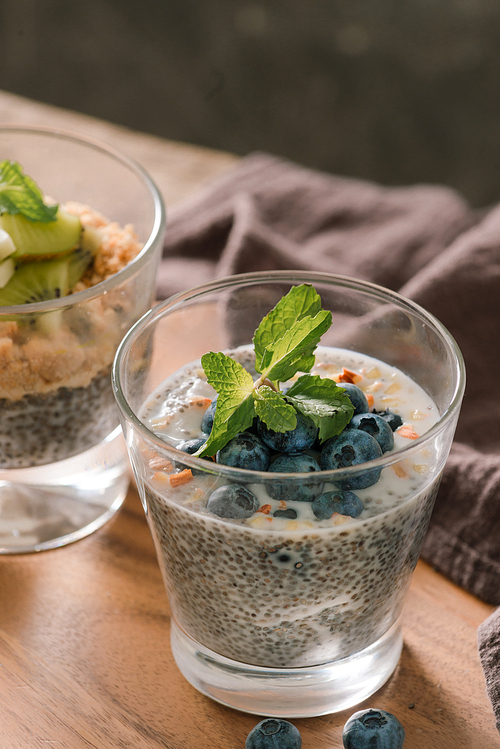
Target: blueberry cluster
[
  {"x": 366, "y": 729},
  {"x": 366, "y": 437}
]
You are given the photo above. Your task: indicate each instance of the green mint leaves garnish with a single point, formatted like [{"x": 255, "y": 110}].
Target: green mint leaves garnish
[
  {"x": 284, "y": 345},
  {"x": 20, "y": 194}
]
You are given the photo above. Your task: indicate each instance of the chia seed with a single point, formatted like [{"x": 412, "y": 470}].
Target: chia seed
[{"x": 44, "y": 428}]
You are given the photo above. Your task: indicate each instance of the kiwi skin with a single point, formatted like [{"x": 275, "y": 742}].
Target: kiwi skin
[
  {"x": 41, "y": 280},
  {"x": 37, "y": 238},
  {"x": 36, "y": 282}
]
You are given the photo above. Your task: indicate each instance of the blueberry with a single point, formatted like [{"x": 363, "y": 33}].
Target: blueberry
[
  {"x": 373, "y": 729},
  {"x": 394, "y": 420},
  {"x": 377, "y": 427},
  {"x": 298, "y": 492},
  {"x": 253, "y": 427},
  {"x": 345, "y": 503},
  {"x": 292, "y": 442},
  {"x": 191, "y": 446},
  {"x": 351, "y": 448},
  {"x": 245, "y": 450},
  {"x": 288, "y": 513},
  {"x": 208, "y": 417},
  {"x": 356, "y": 396},
  {"x": 274, "y": 733},
  {"x": 233, "y": 501}
]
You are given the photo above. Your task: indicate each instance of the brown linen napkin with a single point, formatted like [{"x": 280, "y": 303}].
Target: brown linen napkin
[
  {"x": 423, "y": 241},
  {"x": 489, "y": 648}
]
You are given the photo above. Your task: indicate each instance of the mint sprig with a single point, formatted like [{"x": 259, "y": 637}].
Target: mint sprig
[
  {"x": 284, "y": 344},
  {"x": 20, "y": 194}
]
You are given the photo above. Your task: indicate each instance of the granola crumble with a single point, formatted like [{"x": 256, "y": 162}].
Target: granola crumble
[
  {"x": 119, "y": 245},
  {"x": 83, "y": 340}
]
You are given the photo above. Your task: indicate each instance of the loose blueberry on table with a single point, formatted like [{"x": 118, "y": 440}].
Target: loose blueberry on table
[
  {"x": 274, "y": 733},
  {"x": 373, "y": 729}
]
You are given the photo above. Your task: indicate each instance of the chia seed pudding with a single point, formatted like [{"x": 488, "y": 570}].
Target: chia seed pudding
[
  {"x": 280, "y": 592},
  {"x": 41, "y": 429}
]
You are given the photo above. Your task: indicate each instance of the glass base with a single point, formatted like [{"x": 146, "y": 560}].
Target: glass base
[
  {"x": 288, "y": 693},
  {"x": 53, "y": 505}
]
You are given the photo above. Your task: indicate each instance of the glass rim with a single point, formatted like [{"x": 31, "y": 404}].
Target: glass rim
[
  {"x": 292, "y": 276},
  {"x": 159, "y": 221}
]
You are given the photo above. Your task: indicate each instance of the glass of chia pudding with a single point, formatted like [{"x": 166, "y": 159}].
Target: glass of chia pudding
[
  {"x": 81, "y": 230},
  {"x": 288, "y": 432}
]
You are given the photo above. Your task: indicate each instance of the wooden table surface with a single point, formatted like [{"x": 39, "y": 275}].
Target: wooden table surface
[{"x": 85, "y": 659}]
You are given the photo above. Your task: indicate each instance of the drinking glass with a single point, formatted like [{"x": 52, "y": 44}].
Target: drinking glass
[
  {"x": 63, "y": 462},
  {"x": 304, "y": 620}
]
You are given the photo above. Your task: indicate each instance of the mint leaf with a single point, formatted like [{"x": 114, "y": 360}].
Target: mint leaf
[
  {"x": 20, "y": 194},
  {"x": 273, "y": 410},
  {"x": 294, "y": 352},
  {"x": 227, "y": 376},
  {"x": 324, "y": 402},
  {"x": 235, "y": 406},
  {"x": 301, "y": 301}
]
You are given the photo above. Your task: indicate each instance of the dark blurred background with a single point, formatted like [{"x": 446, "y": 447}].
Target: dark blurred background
[{"x": 398, "y": 91}]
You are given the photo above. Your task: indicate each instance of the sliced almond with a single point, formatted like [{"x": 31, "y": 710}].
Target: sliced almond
[
  {"x": 407, "y": 431},
  {"x": 400, "y": 470},
  {"x": 177, "y": 479}
]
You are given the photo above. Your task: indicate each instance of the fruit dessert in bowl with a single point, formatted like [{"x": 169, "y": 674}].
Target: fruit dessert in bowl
[
  {"x": 81, "y": 231},
  {"x": 288, "y": 432}
]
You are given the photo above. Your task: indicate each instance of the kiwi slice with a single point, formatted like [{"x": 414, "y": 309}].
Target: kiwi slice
[
  {"x": 91, "y": 239},
  {"x": 33, "y": 238},
  {"x": 37, "y": 282},
  {"x": 78, "y": 262}
]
